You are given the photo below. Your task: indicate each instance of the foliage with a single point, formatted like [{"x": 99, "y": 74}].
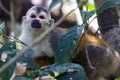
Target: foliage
[
  {"x": 68, "y": 44},
  {"x": 91, "y": 6},
  {"x": 7, "y": 52},
  {"x": 2, "y": 26},
  {"x": 63, "y": 69},
  {"x": 87, "y": 14},
  {"x": 29, "y": 61},
  {"x": 66, "y": 68},
  {"x": 108, "y": 4},
  {"x": 117, "y": 79}
]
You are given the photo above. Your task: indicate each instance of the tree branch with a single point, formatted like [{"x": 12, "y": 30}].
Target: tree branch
[
  {"x": 12, "y": 16},
  {"x": 3, "y": 8}
]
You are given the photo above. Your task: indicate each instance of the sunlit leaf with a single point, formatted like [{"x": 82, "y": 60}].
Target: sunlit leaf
[
  {"x": 91, "y": 6},
  {"x": 117, "y": 79},
  {"x": 68, "y": 44}
]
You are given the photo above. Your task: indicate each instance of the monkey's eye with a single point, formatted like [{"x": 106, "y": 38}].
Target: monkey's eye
[
  {"x": 33, "y": 16},
  {"x": 41, "y": 17}
]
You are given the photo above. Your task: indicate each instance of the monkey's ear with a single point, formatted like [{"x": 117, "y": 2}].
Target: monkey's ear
[
  {"x": 51, "y": 21},
  {"x": 23, "y": 18}
]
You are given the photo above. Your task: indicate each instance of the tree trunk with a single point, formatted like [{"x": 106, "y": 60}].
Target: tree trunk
[{"x": 108, "y": 22}]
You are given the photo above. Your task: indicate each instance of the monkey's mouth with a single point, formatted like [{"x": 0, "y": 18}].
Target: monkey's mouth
[{"x": 36, "y": 24}]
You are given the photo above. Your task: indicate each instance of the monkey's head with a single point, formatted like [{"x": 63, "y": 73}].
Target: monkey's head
[{"x": 37, "y": 18}]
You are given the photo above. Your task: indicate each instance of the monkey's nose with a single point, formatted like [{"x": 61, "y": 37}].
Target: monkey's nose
[{"x": 36, "y": 24}]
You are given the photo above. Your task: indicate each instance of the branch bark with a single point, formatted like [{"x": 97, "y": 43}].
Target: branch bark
[
  {"x": 109, "y": 24},
  {"x": 3, "y": 8}
]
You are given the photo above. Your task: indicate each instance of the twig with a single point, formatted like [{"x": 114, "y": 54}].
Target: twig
[
  {"x": 86, "y": 50},
  {"x": 15, "y": 39},
  {"x": 19, "y": 41},
  {"x": 3, "y": 8},
  {"x": 12, "y": 15},
  {"x": 35, "y": 42}
]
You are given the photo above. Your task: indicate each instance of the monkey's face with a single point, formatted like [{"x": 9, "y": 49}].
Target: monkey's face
[{"x": 37, "y": 18}]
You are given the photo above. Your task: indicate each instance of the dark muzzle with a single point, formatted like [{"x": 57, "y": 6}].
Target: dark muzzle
[{"x": 36, "y": 24}]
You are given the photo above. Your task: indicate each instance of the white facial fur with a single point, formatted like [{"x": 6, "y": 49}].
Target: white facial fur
[{"x": 29, "y": 34}]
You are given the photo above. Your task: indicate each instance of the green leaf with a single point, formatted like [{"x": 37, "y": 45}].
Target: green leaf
[
  {"x": 11, "y": 45},
  {"x": 36, "y": 73},
  {"x": 2, "y": 27},
  {"x": 6, "y": 74},
  {"x": 108, "y": 4},
  {"x": 64, "y": 68},
  {"x": 29, "y": 61},
  {"x": 87, "y": 14},
  {"x": 117, "y": 79},
  {"x": 54, "y": 3},
  {"x": 76, "y": 75},
  {"x": 68, "y": 44},
  {"x": 58, "y": 70},
  {"x": 90, "y": 6},
  {"x": 7, "y": 52}
]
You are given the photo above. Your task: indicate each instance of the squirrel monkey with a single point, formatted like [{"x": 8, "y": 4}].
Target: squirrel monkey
[
  {"x": 38, "y": 19},
  {"x": 35, "y": 22}
]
